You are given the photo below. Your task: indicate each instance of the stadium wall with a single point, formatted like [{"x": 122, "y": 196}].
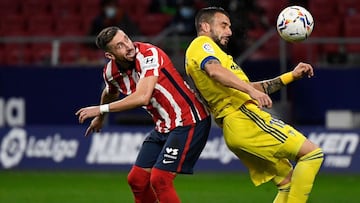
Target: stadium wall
[{"x": 38, "y": 128}]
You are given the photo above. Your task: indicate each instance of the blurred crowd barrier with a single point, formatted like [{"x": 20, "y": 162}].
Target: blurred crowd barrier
[
  {"x": 74, "y": 51},
  {"x": 78, "y": 51}
]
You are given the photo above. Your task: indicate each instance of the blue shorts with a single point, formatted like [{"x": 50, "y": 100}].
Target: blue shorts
[{"x": 176, "y": 151}]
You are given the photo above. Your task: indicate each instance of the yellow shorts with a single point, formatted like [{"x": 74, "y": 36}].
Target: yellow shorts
[{"x": 264, "y": 144}]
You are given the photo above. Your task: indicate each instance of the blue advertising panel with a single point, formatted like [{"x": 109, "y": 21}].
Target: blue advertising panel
[
  {"x": 116, "y": 148},
  {"x": 50, "y": 96}
]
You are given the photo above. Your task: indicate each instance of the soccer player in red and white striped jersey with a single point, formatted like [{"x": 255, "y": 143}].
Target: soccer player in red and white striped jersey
[{"x": 146, "y": 76}]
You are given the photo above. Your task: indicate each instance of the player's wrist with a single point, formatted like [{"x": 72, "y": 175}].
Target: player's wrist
[
  {"x": 104, "y": 108},
  {"x": 287, "y": 78}
]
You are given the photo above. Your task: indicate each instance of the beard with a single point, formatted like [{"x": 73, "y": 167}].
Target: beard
[{"x": 217, "y": 40}]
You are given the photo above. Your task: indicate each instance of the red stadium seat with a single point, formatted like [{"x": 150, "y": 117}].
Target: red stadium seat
[
  {"x": 63, "y": 8},
  {"x": 13, "y": 25},
  {"x": 9, "y": 7},
  {"x": 329, "y": 27},
  {"x": 69, "y": 53},
  {"x": 352, "y": 29},
  {"x": 90, "y": 8},
  {"x": 91, "y": 56},
  {"x": 153, "y": 24},
  {"x": 69, "y": 25},
  {"x": 272, "y": 8},
  {"x": 302, "y": 52},
  {"x": 32, "y": 8},
  {"x": 40, "y": 25},
  {"x": 17, "y": 54},
  {"x": 322, "y": 9},
  {"x": 269, "y": 50},
  {"x": 2, "y": 54},
  {"x": 40, "y": 53},
  {"x": 348, "y": 7},
  {"x": 136, "y": 10}
]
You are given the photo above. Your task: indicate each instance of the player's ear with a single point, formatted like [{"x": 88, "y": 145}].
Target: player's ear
[
  {"x": 109, "y": 56},
  {"x": 205, "y": 27}
]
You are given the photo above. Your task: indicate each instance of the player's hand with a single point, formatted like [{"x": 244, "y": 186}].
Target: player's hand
[
  {"x": 95, "y": 125},
  {"x": 263, "y": 99},
  {"x": 87, "y": 112},
  {"x": 303, "y": 69}
]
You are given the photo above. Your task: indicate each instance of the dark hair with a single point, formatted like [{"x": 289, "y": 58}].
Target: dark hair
[
  {"x": 105, "y": 36},
  {"x": 207, "y": 14}
]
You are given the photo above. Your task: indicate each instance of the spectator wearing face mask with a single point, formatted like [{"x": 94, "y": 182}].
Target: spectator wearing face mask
[{"x": 112, "y": 15}]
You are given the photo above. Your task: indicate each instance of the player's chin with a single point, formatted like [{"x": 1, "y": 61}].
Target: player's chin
[{"x": 224, "y": 41}]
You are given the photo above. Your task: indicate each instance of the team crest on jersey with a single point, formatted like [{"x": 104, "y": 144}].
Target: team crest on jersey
[{"x": 208, "y": 48}]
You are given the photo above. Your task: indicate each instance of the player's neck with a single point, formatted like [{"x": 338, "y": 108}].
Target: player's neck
[{"x": 123, "y": 66}]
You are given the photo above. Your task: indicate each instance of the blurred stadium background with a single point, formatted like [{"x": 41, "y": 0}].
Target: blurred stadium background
[{"x": 49, "y": 68}]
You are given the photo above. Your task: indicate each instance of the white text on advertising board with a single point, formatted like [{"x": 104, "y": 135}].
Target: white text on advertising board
[
  {"x": 338, "y": 147},
  {"x": 16, "y": 144}
]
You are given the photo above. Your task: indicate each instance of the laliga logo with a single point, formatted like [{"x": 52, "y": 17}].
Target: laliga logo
[
  {"x": 12, "y": 147},
  {"x": 15, "y": 145}
]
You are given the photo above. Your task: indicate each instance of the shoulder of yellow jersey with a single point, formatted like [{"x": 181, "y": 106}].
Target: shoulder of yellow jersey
[
  {"x": 204, "y": 44},
  {"x": 201, "y": 49}
]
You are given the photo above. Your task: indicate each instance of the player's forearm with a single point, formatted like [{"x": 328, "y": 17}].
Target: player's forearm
[
  {"x": 130, "y": 102},
  {"x": 275, "y": 84},
  {"x": 269, "y": 86},
  {"x": 108, "y": 98}
]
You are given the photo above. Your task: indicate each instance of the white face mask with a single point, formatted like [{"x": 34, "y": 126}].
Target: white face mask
[{"x": 110, "y": 11}]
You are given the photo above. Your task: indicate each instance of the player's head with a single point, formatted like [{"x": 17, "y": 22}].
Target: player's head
[
  {"x": 116, "y": 44},
  {"x": 215, "y": 23}
]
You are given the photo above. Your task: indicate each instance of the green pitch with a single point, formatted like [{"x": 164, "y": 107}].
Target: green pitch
[{"x": 111, "y": 187}]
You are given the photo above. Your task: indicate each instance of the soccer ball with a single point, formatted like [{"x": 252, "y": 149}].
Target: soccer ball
[{"x": 295, "y": 24}]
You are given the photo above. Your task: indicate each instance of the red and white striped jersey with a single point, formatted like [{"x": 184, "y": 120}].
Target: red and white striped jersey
[{"x": 173, "y": 102}]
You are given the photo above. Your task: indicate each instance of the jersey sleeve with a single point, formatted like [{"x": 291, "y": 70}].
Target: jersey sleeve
[
  {"x": 109, "y": 87},
  {"x": 107, "y": 76},
  {"x": 148, "y": 61},
  {"x": 201, "y": 51}
]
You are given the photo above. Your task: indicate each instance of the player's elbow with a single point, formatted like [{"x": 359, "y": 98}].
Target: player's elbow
[
  {"x": 214, "y": 74},
  {"x": 144, "y": 100}
]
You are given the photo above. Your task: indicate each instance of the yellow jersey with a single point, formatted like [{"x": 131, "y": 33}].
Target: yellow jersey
[{"x": 221, "y": 100}]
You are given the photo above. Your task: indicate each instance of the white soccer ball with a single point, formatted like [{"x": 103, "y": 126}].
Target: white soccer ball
[{"x": 295, "y": 24}]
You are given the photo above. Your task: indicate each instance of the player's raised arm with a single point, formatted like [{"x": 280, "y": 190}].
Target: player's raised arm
[{"x": 275, "y": 84}]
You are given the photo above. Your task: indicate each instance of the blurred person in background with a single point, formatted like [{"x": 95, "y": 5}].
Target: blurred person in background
[
  {"x": 147, "y": 76},
  {"x": 264, "y": 144},
  {"x": 111, "y": 15}
]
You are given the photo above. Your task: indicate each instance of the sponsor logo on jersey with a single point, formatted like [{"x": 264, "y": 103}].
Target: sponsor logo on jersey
[{"x": 149, "y": 60}]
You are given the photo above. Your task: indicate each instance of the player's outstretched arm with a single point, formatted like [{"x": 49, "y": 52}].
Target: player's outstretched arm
[
  {"x": 275, "y": 84},
  {"x": 140, "y": 97}
]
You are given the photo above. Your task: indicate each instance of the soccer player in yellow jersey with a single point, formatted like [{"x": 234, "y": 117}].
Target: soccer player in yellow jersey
[{"x": 264, "y": 144}]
